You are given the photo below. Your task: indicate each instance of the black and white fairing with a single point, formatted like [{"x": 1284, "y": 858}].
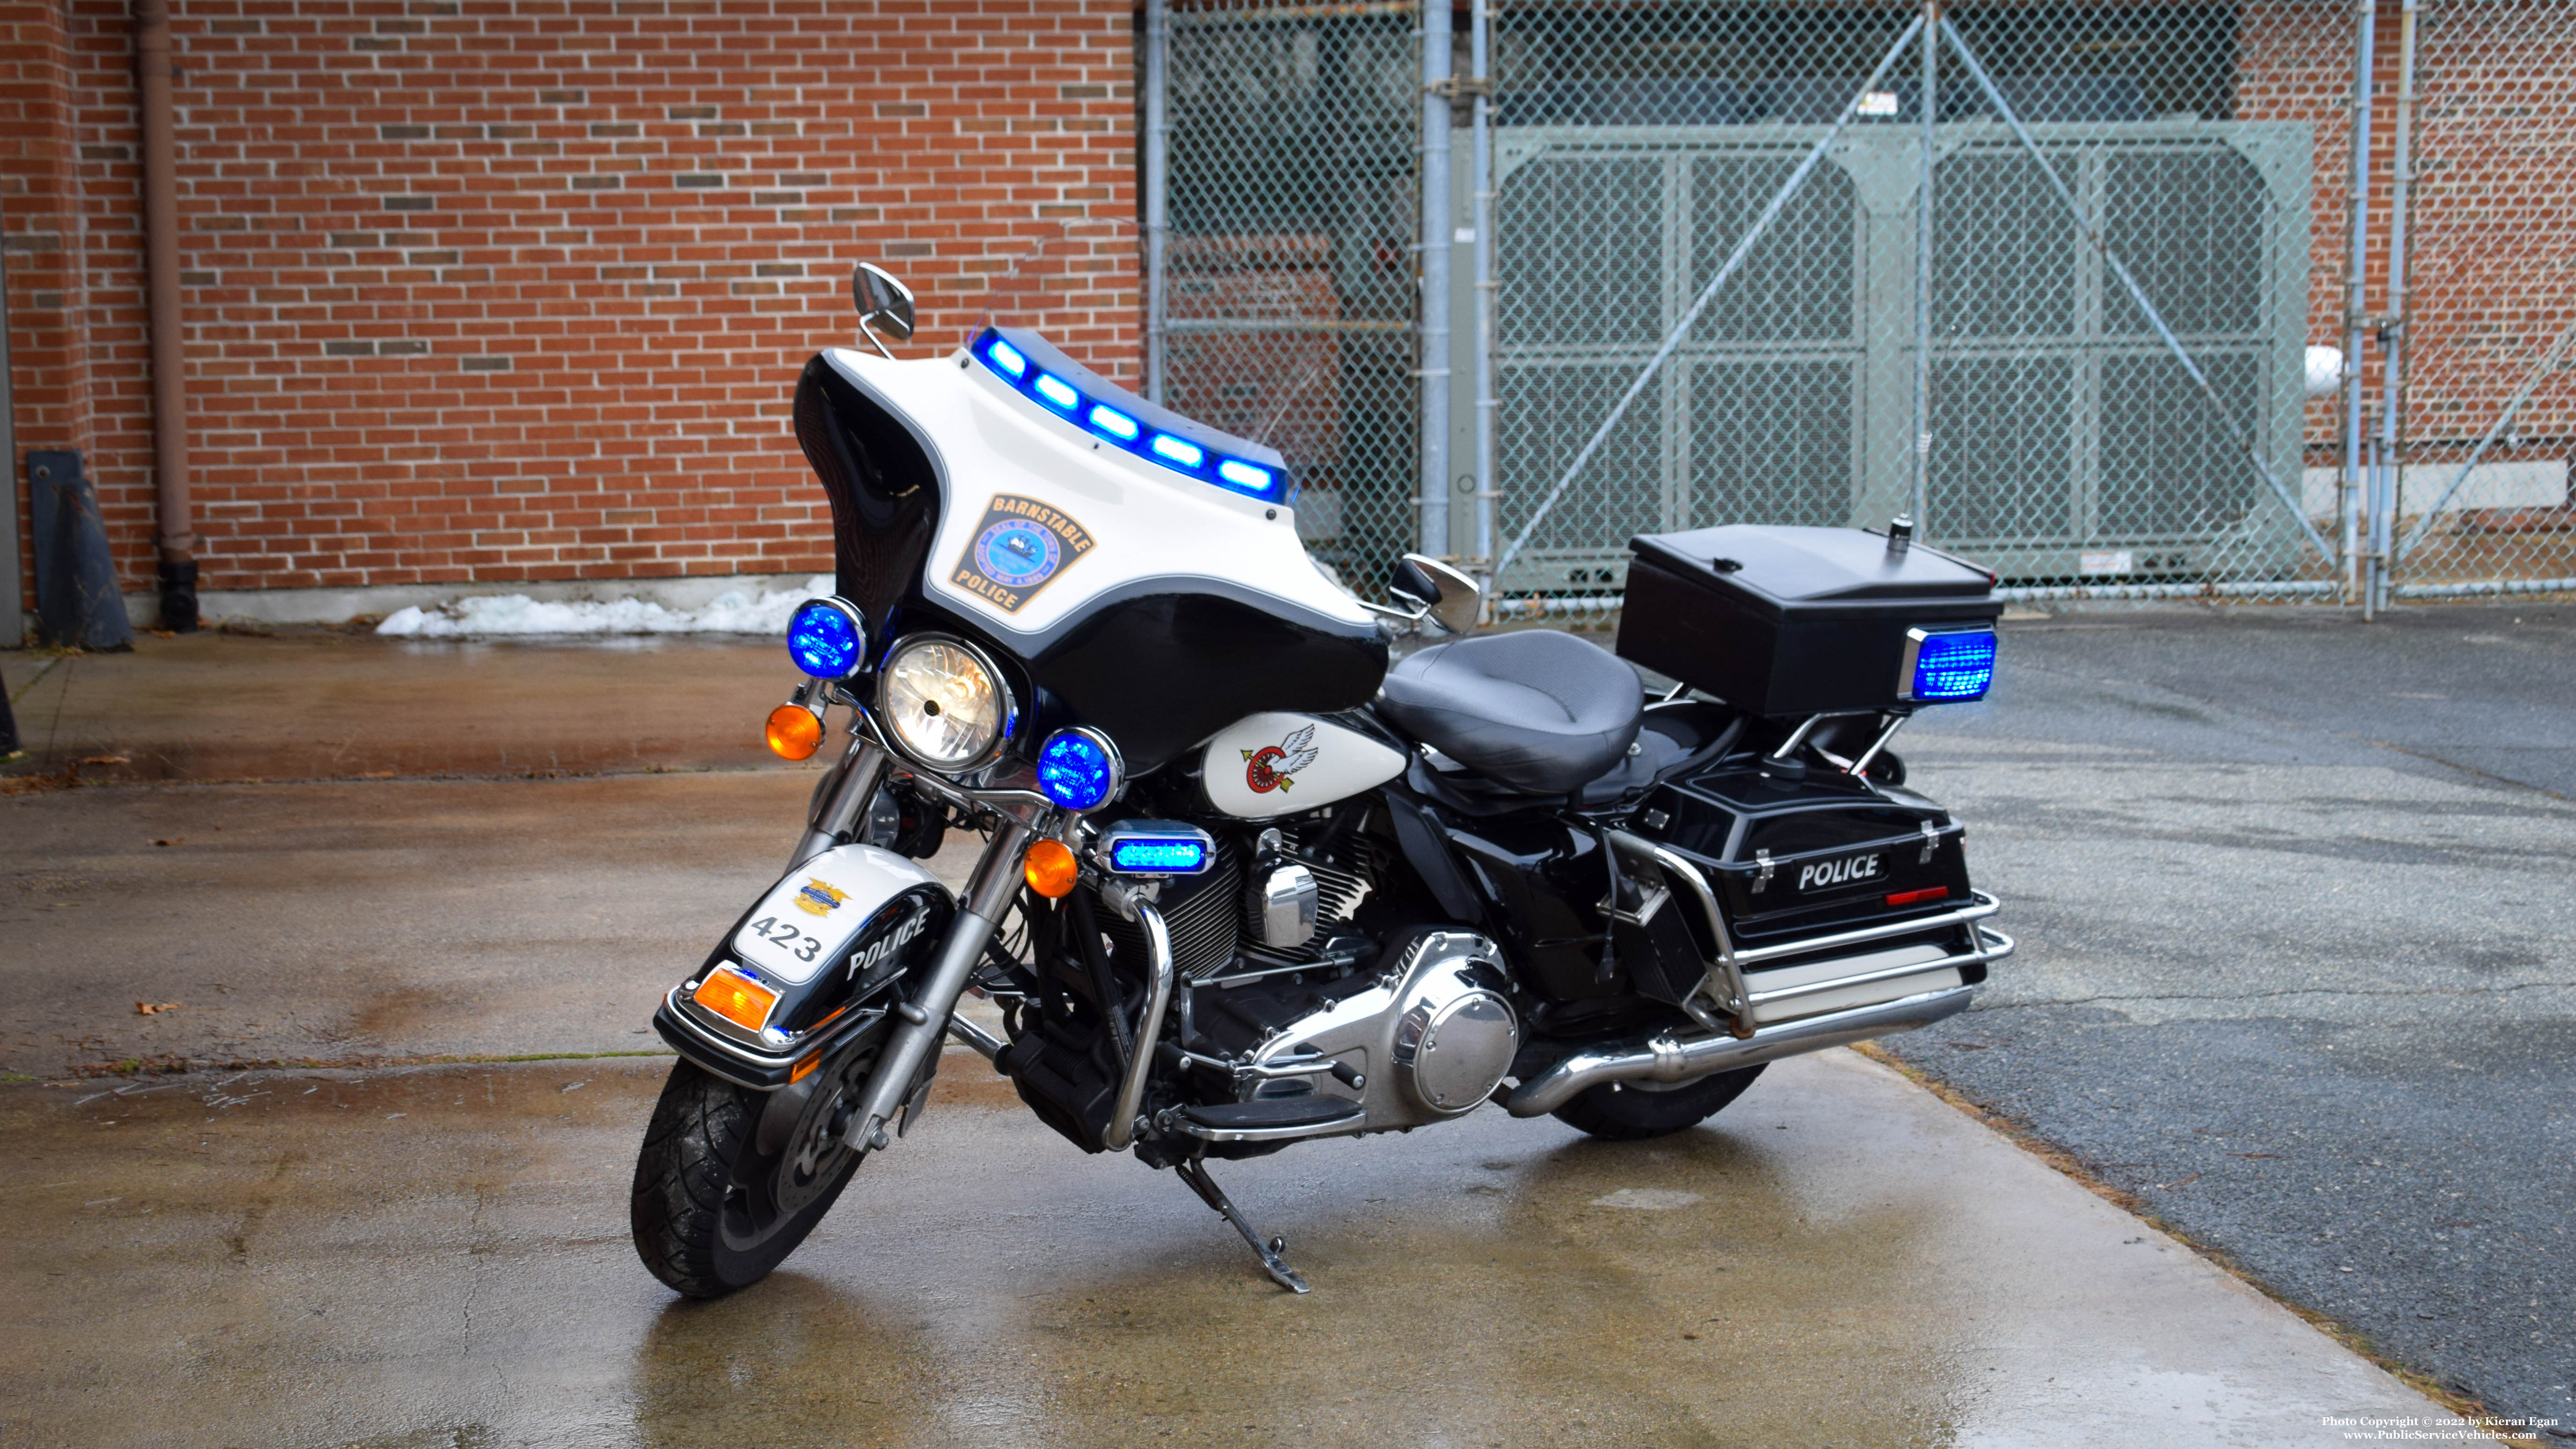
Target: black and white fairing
[{"x": 1139, "y": 598}]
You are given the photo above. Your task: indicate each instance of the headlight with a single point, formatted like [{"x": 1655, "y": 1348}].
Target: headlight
[{"x": 943, "y": 701}]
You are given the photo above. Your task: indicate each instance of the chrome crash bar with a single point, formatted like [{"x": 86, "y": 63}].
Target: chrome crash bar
[
  {"x": 1981, "y": 906},
  {"x": 1149, "y": 1024},
  {"x": 1665, "y": 1058}
]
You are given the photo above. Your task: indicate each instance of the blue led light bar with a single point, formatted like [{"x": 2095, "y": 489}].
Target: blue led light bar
[
  {"x": 1078, "y": 769},
  {"x": 1947, "y": 666},
  {"x": 1156, "y": 847},
  {"x": 827, "y": 639},
  {"x": 1154, "y": 855},
  {"x": 1057, "y": 391},
  {"x": 1243, "y": 477},
  {"x": 1119, "y": 429}
]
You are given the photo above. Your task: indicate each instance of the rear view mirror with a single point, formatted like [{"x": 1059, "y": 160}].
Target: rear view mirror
[
  {"x": 882, "y": 302},
  {"x": 1438, "y": 590}
]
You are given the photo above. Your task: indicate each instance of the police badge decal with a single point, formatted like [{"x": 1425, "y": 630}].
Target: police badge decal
[{"x": 1018, "y": 548}]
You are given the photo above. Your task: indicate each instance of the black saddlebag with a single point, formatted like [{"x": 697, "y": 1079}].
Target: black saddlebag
[
  {"x": 1791, "y": 858},
  {"x": 1792, "y": 621}
]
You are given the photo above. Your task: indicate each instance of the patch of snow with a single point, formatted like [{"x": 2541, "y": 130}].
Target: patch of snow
[
  {"x": 1651, "y": 1199},
  {"x": 736, "y": 611}
]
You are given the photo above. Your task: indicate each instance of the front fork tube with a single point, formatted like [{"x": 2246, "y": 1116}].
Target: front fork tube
[
  {"x": 924, "y": 1019},
  {"x": 841, "y": 800}
]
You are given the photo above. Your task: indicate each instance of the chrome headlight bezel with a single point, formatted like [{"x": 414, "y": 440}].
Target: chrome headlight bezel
[{"x": 890, "y": 724}]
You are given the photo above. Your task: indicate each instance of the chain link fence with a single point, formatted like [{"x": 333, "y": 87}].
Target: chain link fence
[
  {"x": 2488, "y": 346},
  {"x": 2072, "y": 284},
  {"x": 1288, "y": 298}
]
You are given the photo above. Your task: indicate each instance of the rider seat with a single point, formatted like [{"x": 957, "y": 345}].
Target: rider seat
[{"x": 1536, "y": 711}]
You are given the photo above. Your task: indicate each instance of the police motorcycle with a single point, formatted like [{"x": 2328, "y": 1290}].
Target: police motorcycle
[{"x": 1247, "y": 880}]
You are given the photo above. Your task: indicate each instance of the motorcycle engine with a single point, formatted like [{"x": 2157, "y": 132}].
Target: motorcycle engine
[{"x": 1426, "y": 1037}]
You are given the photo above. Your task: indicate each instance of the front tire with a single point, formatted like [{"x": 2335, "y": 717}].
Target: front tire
[
  {"x": 1634, "y": 1111},
  {"x": 713, "y": 1210}
]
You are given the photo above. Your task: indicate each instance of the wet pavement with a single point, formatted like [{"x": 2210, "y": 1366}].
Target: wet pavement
[
  {"x": 361, "y": 921},
  {"x": 2295, "y": 899},
  {"x": 2230, "y": 922},
  {"x": 439, "y": 1257},
  {"x": 319, "y": 704}
]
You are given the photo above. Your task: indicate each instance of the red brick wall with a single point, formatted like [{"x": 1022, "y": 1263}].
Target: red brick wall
[
  {"x": 2494, "y": 153},
  {"x": 509, "y": 290},
  {"x": 2493, "y": 280},
  {"x": 2294, "y": 63}
]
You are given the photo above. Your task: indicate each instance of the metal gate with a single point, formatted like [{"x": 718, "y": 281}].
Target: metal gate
[
  {"x": 2260, "y": 299},
  {"x": 2067, "y": 437}
]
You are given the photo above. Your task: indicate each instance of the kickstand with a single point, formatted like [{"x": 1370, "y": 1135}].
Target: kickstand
[{"x": 1195, "y": 1173}]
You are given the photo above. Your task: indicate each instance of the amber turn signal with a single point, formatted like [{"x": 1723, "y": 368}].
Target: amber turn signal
[
  {"x": 794, "y": 732},
  {"x": 1051, "y": 869},
  {"x": 737, "y": 998}
]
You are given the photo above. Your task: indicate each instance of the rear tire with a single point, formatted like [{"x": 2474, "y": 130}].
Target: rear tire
[
  {"x": 1634, "y": 1111},
  {"x": 712, "y": 1212}
]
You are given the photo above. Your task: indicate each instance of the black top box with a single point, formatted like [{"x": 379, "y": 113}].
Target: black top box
[{"x": 1792, "y": 621}]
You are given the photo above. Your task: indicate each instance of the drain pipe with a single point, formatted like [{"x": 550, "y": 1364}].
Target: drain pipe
[{"x": 178, "y": 540}]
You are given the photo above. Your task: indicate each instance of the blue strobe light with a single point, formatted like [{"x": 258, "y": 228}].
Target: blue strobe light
[
  {"x": 1156, "y": 847},
  {"x": 1947, "y": 666},
  {"x": 1057, "y": 392},
  {"x": 1078, "y": 769},
  {"x": 1157, "y": 855},
  {"x": 1126, "y": 431},
  {"x": 827, "y": 638}
]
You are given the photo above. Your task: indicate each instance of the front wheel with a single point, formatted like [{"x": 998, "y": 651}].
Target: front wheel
[
  {"x": 731, "y": 1180},
  {"x": 1631, "y": 1111}
]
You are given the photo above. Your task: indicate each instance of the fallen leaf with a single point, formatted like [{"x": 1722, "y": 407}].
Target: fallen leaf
[
  {"x": 107, "y": 760},
  {"x": 146, "y": 1008}
]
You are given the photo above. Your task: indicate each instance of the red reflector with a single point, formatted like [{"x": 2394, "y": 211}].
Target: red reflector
[{"x": 1916, "y": 898}]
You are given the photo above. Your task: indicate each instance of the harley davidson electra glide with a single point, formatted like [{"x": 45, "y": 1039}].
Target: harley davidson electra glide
[{"x": 1245, "y": 882}]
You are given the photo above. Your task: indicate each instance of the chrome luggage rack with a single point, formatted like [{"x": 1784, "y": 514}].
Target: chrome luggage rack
[{"x": 1725, "y": 1001}]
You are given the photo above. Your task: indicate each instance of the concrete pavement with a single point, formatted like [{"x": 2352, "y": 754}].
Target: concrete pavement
[
  {"x": 2295, "y": 897},
  {"x": 319, "y": 704},
  {"x": 363, "y": 920},
  {"x": 439, "y": 1256}
]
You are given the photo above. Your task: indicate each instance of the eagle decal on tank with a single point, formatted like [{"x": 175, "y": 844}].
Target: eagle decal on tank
[
  {"x": 1281, "y": 761},
  {"x": 1274, "y": 767}
]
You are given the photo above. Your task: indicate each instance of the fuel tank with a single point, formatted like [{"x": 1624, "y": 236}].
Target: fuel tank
[{"x": 1276, "y": 763}]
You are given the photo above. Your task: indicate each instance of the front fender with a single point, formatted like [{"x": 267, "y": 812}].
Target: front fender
[{"x": 828, "y": 940}]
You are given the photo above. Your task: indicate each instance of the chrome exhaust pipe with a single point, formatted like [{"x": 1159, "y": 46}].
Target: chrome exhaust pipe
[{"x": 1670, "y": 1059}]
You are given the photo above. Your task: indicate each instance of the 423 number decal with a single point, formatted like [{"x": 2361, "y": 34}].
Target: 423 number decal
[{"x": 778, "y": 933}]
